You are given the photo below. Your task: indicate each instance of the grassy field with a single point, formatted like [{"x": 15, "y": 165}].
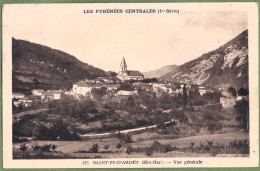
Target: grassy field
[{"x": 80, "y": 149}]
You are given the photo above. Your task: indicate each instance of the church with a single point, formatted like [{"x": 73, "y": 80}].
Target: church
[{"x": 125, "y": 74}]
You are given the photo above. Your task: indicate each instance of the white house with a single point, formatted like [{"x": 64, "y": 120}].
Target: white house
[
  {"x": 83, "y": 88},
  {"x": 37, "y": 92},
  {"x": 126, "y": 93},
  {"x": 203, "y": 90},
  {"x": 228, "y": 102},
  {"x": 18, "y": 95},
  {"x": 52, "y": 95},
  {"x": 26, "y": 102}
]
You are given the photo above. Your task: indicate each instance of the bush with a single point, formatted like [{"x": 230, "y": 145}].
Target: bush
[
  {"x": 179, "y": 115},
  {"x": 125, "y": 138},
  {"x": 242, "y": 108},
  {"x": 149, "y": 152},
  {"x": 59, "y": 131},
  {"x": 106, "y": 147},
  {"x": 36, "y": 147},
  {"x": 53, "y": 147},
  {"x": 210, "y": 143},
  {"x": 94, "y": 148},
  {"x": 158, "y": 147},
  {"x": 199, "y": 101},
  {"x": 46, "y": 148},
  {"x": 119, "y": 146},
  {"x": 215, "y": 126},
  {"x": 129, "y": 149},
  {"x": 191, "y": 144},
  {"x": 23, "y": 148}
]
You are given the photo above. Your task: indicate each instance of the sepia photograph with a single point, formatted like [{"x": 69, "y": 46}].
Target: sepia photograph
[{"x": 127, "y": 85}]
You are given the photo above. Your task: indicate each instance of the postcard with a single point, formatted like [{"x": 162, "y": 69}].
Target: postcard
[{"x": 130, "y": 85}]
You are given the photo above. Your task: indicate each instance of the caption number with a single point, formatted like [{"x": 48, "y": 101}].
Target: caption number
[{"x": 85, "y": 163}]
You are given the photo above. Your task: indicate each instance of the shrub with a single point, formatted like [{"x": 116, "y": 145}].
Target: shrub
[
  {"x": 106, "y": 147},
  {"x": 158, "y": 147},
  {"x": 242, "y": 108},
  {"x": 23, "y": 148},
  {"x": 215, "y": 126},
  {"x": 94, "y": 148},
  {"x": 192, "y": 144},
  {"x": 46, "y": 148},
  {"x": 127, "y": 138},
  {"x": 53, "y": 147},
  {"x": 118, "y": 146},
  {"x": 210, "y": 143},
  {"x": 149, "y": 152},
  {"x": 129, "y": 149},
  {"x": 36, "y": 147},
  {"x": 59, "y": 131}
]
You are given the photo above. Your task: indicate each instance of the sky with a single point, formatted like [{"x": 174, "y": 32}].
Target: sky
[{"x": 147, "y": 41}]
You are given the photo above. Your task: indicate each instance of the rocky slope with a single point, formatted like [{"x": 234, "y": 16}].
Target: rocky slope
[{"x": 223, "y": 67}]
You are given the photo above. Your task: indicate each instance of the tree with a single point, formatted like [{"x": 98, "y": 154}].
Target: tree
[
  {"x": 126, "y": 86},
  {"x": 232, "y": 91},
  {"x": 36, "y": 147},
  {"x": 60, "y": 129},
  {"x": 129, "y": 149},
  {"x": 98, "y": 93},
  {"x": 94, "y": 148},
  {"x": 23, "y": 148},
  {"x": 53, "y": 147},
  {"x": 35, "y": 83},
  {"x": 149, "y": 152},
  {"x": 127, "y": 138},
  {"x": 184, "y": 96},
  {"x": 118, "y": 146},
  {"x": 46, "y": 148},
  {"x": 242, "y": 92},
  {"x": 242, "y": 108},
  {"x": 130, "y": 103},
  {"x": 106, "y": 147}
]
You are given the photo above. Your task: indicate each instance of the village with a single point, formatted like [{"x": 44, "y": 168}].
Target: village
[{"x": 113, "y": 89}]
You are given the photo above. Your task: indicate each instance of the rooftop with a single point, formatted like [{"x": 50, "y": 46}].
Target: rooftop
[{"x": 134, "y": 73}]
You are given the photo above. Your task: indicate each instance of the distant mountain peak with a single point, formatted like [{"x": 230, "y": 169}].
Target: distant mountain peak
[{"x": 160, "y": 72}]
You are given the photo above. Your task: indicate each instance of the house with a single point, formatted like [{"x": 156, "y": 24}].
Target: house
[
  {"x": 17, "y": 103},
  {"x": 23, "y": 101},
  {"x": 125, "y": 74},
  {"x": 81, "y": 88},
  {"x": 127, "y": 93},
  {"x": 110, "y": 87},
  {"x": 203, "y": 90},
  {"x": 160, "y": 84},
  {"x": 228, "y": 102},
  {"x": 52, "y": 95},
  {"x": 17, "y": 95},
  {"x": 84, "y": 87},
  {"x": 106, "y": 80},
  {"x": 37, "y": 92}
]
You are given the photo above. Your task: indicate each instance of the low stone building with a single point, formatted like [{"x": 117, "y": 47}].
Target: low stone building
[{"x": 228, "y": 102}]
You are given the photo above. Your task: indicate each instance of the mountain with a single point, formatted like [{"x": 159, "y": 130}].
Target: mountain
[
  {"x": 224, "y": 67},
  {"x": 37, "y": 66},
  {"x": 160, "y": 72}
]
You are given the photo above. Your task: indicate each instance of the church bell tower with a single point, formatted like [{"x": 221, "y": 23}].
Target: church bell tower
[{"x": 123, "y": 65}]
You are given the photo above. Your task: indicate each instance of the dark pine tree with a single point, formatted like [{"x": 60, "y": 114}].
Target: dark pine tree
[{"x": 184, "y": 96}]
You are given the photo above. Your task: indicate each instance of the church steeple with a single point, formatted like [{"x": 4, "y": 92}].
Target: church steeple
[{"x": 123, "y": 65}]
